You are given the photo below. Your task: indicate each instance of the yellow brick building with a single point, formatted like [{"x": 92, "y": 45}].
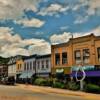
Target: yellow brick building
[{"x": 84, "y": 51}]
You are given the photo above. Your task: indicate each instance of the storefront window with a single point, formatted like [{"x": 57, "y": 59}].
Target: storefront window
[
  {"x": 57, "y": 58},
  {"x": 86, "y": 56},
  {"x": 64, "y": 58},
  {"x": 78, "y": 57}
]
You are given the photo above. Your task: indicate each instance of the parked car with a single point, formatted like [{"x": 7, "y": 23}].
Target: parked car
[{"x": 8, "y": 81}]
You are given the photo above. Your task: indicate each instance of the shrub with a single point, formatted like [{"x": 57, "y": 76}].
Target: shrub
[
  {"x": 58, "y": 85},
  {"x": 92, "y": 88},
  {"x": 72, "y": 86},
  {"x": 40, "y": 81}
]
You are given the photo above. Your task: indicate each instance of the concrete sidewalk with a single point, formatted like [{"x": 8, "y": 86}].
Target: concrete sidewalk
[{"x": 87, "y": 96}]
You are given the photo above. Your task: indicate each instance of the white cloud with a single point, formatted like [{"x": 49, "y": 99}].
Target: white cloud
[
  {"x": 55, "y": 39},
  {"x": 12, "y": 9},
  {"x": 30, "y": 23},
  {"x": 93, "y": 6},
  {"x": 53, "y": 9},
  {"x": 64, "y": 28},
  {"x": 97, "y": 30},
  {"x": 81, "y": 19},
  {"x": 89, "y": 8},
  {"x": 11, "y": 45},
  {"x": 41, "y": 48}
]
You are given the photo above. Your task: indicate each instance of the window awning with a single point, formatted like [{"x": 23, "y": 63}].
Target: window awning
[
  {"x": 86, "y": 68},
  {"x": 26, "y": 75},
  {"x": 88, "y": 74}
]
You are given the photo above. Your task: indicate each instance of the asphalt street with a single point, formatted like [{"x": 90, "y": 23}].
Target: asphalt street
[{"x": 17, "y": 93}]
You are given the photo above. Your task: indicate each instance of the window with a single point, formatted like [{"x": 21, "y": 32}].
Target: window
[
  {"x": 38, "y": 64},
  {"x": 98, "y": 51},
  {"x": 64, "y": 58},
  {"x": 86, "y": 56},
  {"x": 30, "y": 65},
  {"x": 20, "y": 66},
  {"x": 42, "y": 64},
  {"x": 34, "y": 65},
  {"x": 78, "y": 57},
  {"x": 57, "y": 58},
  {"x": 25, "y": 66},
  {"x": 47, "y": 63}
]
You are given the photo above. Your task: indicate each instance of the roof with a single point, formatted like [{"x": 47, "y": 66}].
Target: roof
[
  {"x": 43, "y": 56},
  {"x": 29, "y": 57}
]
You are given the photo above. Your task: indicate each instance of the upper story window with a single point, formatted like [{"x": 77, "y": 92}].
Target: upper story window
[
  {"x": 86, "y": 56},
  {"x": 47, "y": 63},
  {"x": 64, "y": 58},
  {"x": 30, "y": 65},
  {"x": 38, "y": 64},
  {"x": 25, "y": 66},
  {"x": 56, "y": 50},
  {"x": 57, "y": 58},
  {"x": 98, "y": 52},
  {"x": 34, "y": 65},
  {"x": 42, "y": 64},
  {"x": 78, "y": 57}
]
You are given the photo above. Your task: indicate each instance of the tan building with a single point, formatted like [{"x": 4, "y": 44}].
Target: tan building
[{"x": 83, "y": 51}]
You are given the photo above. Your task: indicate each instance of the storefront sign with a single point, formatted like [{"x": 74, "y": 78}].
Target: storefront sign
[
  {"x": 59, "y": 70},
  {"x": 80, "y": 69}
]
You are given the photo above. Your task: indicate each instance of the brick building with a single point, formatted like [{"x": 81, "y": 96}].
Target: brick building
[{"x": 82, "y": 51}]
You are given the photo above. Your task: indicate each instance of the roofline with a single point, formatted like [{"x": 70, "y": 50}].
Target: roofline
[{"x": 73, "y": 39}]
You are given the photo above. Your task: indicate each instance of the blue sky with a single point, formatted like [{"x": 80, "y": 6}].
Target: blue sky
[{"x": 36, "y": 24}]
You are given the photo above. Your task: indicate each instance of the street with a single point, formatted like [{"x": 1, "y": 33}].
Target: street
[{"x": 18, "y": 93}]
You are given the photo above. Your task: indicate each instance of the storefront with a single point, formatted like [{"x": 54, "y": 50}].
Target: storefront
[
  {"x": 92, "y": 73},
  {"x": 62, "y": 72}
]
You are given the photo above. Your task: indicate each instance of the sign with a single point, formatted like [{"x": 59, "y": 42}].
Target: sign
[
  {"x": 83, "y": 74},
  {"x": 81, "y": 69},
  {"x": 85, "y": 68},
  {"x": 59, "y": 70}
]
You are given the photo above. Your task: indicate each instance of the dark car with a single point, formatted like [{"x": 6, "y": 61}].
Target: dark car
[{"x": 8, "y": 81}]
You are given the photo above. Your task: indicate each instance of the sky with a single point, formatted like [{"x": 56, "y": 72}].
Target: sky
[{"x": 30, "y": 26}]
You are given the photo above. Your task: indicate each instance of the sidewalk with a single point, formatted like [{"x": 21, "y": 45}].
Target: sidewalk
[{"x": 87, "y": 96}]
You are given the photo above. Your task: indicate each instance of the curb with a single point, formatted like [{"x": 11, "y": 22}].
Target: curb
[{"x": 53, "y": 90}]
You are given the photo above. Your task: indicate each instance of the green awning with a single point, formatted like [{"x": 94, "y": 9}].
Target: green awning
[{"x": 86, "y": 68}]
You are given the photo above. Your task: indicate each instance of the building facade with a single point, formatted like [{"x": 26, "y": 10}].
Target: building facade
[
  {"x": 43, "y": 65},
  {"x": 82, "y": 51},
  {"x": 12, "y": 67},
  {"x": 3, "y": 70},
  {"x": 29, "y": 67}
]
